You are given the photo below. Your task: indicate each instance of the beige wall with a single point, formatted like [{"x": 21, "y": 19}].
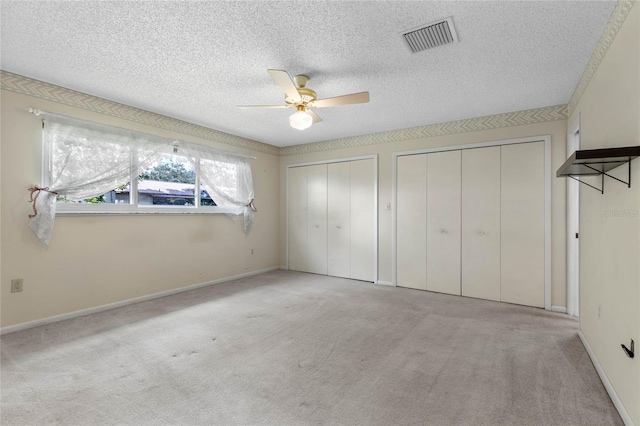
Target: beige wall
[
  {"x": 97, "y": 260},
  {"x": 557, "y": 130},
  {"x": 609, "y": 112}
]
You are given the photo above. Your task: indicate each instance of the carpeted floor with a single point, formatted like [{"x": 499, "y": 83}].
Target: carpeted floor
[{"x": 292, "y": 348}]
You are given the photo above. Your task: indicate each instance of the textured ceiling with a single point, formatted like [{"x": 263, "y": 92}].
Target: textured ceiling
[{"x": 196, "y": 60}]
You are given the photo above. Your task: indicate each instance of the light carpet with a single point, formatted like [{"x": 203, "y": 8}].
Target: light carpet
[{"x": 292, "y": 348}]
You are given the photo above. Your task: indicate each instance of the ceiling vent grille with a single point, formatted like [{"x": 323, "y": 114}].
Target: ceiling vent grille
[{"x": 432, "y": 35}]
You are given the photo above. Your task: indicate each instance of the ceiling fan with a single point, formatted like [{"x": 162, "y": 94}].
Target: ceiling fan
[{"x": 298, "y": 95}]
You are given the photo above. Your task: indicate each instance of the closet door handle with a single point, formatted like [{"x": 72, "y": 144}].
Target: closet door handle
[
  {"x": 317, "y": 226},
  {"x": 480, "y": 233},
  {"x": 339, "y": 227},
  {"x": 443, "y": 231}
]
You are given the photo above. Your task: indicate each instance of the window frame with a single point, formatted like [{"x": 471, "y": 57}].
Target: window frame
[{"x": 133, "y": 207}]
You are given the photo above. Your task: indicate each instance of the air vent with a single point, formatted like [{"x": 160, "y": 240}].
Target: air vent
[{"x": 432, "y": 35}]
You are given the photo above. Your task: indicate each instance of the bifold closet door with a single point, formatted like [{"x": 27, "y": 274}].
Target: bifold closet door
[
  {"x": 331, "y": 219},
  {"x": 362, "y": 219},
  {"x": 522, "y": 213},
  {"x": 411, "y": 221},
  {"x": 338, "y": 230},
  {"x": 317, "y": 219},
  {"x": 481, "y": 223},
  {"x": 443, "y": 221},
  {"x": 297, "y": 216}
]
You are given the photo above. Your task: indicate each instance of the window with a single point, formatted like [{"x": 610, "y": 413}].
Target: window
[
  {"x": 169, "y": 182},
  {"x": 159, "y": 180},
  {"x": 93, "y": 168},
  {"x": 165, "y": 186}
]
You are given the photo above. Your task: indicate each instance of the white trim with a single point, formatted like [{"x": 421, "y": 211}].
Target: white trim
[
  {"x": 388, "y": 283},
  {"x": 133, "y": 184},
  {"x": 109, "y": 306},
  {"x": 473, "y": 145},
  {"x": 394, "y": 214},
  {"x": 336, "y": 160},
  {"x": 547, "y": 222},
  {"x": 560, "y": 309},
  {"x": 376, "y": 208},
  {"x": 286, "y": 219},
  {"x": 197, "y": 195},
  {"x": 626, "y": 418},
  {"x": 373, "y": 157},
  {"x": 547, "y": 200},
  {"x": 128, "y": 209},
  {"x": 573, "y": 246}
]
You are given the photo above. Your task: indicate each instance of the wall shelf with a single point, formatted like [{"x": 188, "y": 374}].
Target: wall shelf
[{"x": 597, "y": 162}]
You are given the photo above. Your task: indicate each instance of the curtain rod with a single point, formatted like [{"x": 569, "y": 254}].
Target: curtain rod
[{"x": 39, "y": 112}]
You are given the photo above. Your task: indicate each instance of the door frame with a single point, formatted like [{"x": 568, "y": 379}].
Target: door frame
[
  {"x": 373, "y": 157},
  {"x": 573, "y": 226},
  {"x": 547, "y": 199}
]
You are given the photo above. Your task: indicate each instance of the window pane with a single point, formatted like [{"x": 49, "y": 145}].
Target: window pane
[
  {"x": 118, "y": 195},
  {"x": 221, "y": 175},
  {"x": 205, "y": 198},
  {"x": 169, "y": 182}
]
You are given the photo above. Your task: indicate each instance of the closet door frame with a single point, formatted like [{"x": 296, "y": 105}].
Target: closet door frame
[
  {"x": 547, "y": 200},
  {"x": 375, "y": 205}
]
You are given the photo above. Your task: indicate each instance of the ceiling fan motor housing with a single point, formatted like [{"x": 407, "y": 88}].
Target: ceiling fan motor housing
[{"x": 306, "y": 94}]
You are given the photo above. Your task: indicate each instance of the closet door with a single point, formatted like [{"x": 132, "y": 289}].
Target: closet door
[
  {"x": 411, "y": 224},
  {"x": 338, "y": 231},
  {"x": 362, "y": 218},
  {"x": 481, "y": 223},
  {"x": 297, "y": 216},
  {"x": 317, "y": 219},
  {"x": 522, "y": 211},
  {"x": 443, "y": 222}
]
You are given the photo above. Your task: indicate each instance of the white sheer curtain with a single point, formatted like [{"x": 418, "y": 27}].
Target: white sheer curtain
[
  {"x": 87, "y": 159},
  {"x": 227, "y": 179}
]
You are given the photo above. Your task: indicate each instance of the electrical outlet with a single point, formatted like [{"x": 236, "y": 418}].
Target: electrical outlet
[{"x": 16, "y": 285}]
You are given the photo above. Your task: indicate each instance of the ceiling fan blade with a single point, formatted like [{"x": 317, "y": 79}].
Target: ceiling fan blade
[
  {"x": 264, "y": 106},
  {"x": 286, "y": 83},
  {"x": 316, "y": 117},
  {"x": 354, "y": 98}
]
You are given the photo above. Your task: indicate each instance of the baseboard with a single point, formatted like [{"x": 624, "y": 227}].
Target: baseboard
[
  {"x": 385, "y": 283},
  {"x": 605, "y": 381},
  {"x": 101, "y": 308},
  {"x": 561, "y": 309}
]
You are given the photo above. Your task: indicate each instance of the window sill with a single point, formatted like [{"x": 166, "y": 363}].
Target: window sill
[{"x": 131, "y": 210}]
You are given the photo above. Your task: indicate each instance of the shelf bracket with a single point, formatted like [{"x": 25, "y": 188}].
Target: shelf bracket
[
  {"x": 601, "y": 190},
  {"x": 619, "y": 180},
  {"x": 597, "y": 162},
  {"x": 603, "y": 174},
  {"x": 629, "y": 352}
]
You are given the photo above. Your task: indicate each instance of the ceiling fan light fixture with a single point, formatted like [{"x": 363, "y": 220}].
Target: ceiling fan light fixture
[
  {"x": 300, "y": 119},
  {"x": 296, "y": 94}
]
